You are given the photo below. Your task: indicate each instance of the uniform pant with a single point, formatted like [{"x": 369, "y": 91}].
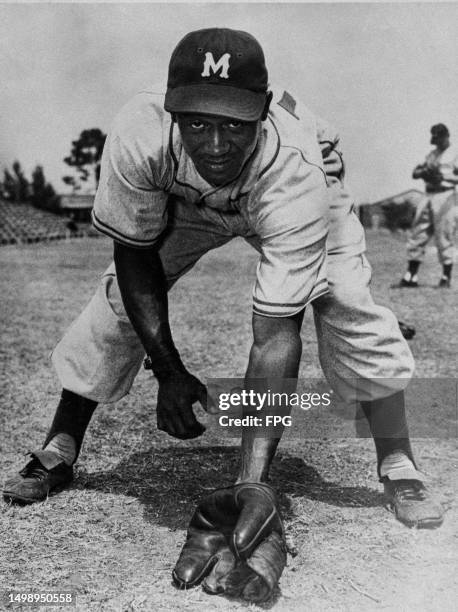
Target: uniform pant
[
  {"x": 362, "y": 352},
  {"x": 436, "y": 217}
]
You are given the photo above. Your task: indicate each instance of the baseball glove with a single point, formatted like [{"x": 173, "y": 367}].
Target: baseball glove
[
  {"x": 432, "y": 175},
  {"x": 408, "y": 331},
  {"x": 235, "y": 544}
]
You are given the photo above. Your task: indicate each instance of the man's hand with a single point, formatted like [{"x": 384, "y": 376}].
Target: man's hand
[
  {"x": 235, "y": 544},
  {"x": 432, "y": 174},
  {"x": 176, "y": 395}
]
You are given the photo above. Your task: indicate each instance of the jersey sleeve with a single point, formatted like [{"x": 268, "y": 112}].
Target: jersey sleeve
[
  {"x": 329, "y": 141},
  {"x": 450, "y": 172},
  {"x": 292, "y": 226},
  {"x": 130, "y": 204}
]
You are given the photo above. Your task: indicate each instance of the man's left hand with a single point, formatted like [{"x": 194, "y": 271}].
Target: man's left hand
[{"x": 235, "y": 544}]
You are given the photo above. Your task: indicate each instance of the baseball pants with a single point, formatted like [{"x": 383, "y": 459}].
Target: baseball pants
[
  {"x": 362, "y": 352},
  {"x": 434, "y": 217}
]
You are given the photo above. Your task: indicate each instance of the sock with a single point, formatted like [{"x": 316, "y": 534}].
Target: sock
[
  {"x": 388, "y": 425},
  {"x": 410, "y": 278},
  {"x": 413, "y": 266},
  {"x": 64, "y": 446},
  {"x": 447, "y": 270},
  {"x": 70, "y": 422},
  {"x": 397, "y": 466}
]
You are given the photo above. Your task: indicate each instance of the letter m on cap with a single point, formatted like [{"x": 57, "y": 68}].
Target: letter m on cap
[{"x": 222, "y": 64}]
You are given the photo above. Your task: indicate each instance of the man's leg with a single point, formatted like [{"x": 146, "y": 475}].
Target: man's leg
[
  {"x": 421, "y": 232},
  {"x": 51, "y": 467},
  {"x": 100, "y": 354},
  {"x": 278, "y": 363},
  {"x": 443, "y": 210},
  {"x": 366, "y": 359},
  {"x": 404, "y": 489}
]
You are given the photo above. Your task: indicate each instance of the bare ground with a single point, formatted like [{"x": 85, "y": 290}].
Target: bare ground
[{"x": 114, "y": 536}]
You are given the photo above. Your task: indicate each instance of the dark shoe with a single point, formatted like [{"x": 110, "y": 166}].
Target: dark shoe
[
  {"x": 408, "y": 331},
  {"x": 42, "y": 475},
  {"x": 408, "y": 283},
  {"x": 445, "y": 282},
  {"x": 413, "y": 504}
]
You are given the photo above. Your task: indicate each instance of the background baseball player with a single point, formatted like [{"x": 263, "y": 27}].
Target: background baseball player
[
  {"x": 223, "y": 156},
  {"x": 436, "y": 215}
]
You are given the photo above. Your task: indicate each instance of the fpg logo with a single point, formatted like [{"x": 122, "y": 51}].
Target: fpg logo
[{"x": 274, "y": 419}]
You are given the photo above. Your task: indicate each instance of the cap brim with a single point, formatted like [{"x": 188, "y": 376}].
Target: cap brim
[{"x": 220, "y": 100}]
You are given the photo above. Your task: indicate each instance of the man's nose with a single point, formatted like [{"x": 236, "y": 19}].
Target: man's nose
[{"x": 217, "y": 144}]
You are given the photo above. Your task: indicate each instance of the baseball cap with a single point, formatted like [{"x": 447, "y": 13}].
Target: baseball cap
[
  {"x": 439, "y": 129},
  {"x": 217, "y": 71}
]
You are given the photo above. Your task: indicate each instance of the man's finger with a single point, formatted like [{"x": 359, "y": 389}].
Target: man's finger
[
  {"x": 185, "y": 413},
  {"x": 258, "y": 517},
  {"x": 203, "y": 397},
  {"x": 256, "y": 589},
  {"x": 217, "y": 579},
  {"x": 164, "y": 423},
  {"x": 198, "y": 556},
  {"x": 192, "y": 427},
  {"x": 182, "y": 424}
]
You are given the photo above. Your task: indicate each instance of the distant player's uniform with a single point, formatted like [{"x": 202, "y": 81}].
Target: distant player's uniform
[
  {"x": 436, "y": 214},
  {"x": 150, "y": 194}
]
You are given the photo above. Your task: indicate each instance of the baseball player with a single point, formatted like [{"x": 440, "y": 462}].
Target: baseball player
[
  {"x": 222, "y": 155},
  {"x": 436, "y": 215}
]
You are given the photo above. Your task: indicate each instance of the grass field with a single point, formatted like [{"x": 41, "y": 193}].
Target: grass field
[{"x": 114, "y": 536}]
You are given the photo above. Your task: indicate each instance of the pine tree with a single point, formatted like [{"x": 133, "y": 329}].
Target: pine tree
[{"x": 85, "y": 157}]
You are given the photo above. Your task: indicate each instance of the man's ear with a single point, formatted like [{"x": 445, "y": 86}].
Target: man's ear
[
  {"x": 174, "y": 117},
  {"x": 266, "y": 106}
]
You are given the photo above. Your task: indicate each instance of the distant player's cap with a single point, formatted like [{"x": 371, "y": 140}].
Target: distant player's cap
[
  {"x": 440, "y": 130},
  {"x": 218, "y": 71}
]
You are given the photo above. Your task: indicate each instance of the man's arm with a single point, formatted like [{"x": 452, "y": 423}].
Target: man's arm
[
  {"x": 452, "y": 176},
  {"x": 275, "y": 353},
  {"x": 144, "y": 292},
  {"x": 419, "y": 171}
]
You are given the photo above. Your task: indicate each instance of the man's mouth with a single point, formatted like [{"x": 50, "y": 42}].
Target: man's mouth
[{"x": 217, "y": 163}]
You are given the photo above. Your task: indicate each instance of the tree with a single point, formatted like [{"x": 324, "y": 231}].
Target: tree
[
  {"x": 85, "y": 156},
  {"x": 9, "y": 186},
  {"x": 43, "y": 193},
  {"x": 16, "y": 187},
  {"x": 22, "y": 184}
]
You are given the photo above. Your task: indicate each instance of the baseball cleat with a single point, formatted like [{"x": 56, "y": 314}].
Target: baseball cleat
[
  {"x": 413, "y": 504},
  {"x": 445, "y": 282},
  {"x": 408, "y": 331},
  {"x": 408, "y": 283},
  {"x": 42, "y": 475}
]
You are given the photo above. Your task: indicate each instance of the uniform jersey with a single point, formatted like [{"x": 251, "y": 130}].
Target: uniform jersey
[
  {"x": 346, "y": 233},
  {"x": 444, "y": 161},
  {"x": 281, "y": 192}
]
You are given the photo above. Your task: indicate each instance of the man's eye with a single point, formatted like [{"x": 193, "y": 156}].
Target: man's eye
[
  {"x": 235, "y": 125},
  {"x": 197, "y": 125}
]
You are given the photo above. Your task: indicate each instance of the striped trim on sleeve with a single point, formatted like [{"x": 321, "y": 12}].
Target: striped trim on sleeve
[{"x": 103, "y": 228}]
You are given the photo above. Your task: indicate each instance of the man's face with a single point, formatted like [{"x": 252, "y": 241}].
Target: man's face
[
  {"x": 440, "y": 140},
  {"x": 218, "y": 146}
]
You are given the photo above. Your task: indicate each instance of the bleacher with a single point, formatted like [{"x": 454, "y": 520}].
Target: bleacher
[{"x": 23, "y": 223}]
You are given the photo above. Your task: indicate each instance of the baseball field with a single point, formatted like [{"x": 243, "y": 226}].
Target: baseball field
[{"x": 113, "y": 537}]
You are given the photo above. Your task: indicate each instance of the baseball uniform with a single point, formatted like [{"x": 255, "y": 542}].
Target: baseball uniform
[
  {"x": 281, "y": 203},
  {"x": 435, "y": 215}
]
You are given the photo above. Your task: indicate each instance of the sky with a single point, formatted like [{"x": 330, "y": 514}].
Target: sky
[{"x": 382, "y": 74}]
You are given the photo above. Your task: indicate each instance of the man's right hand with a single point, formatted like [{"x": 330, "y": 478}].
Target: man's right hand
[{"x": 177, "y": 393}]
